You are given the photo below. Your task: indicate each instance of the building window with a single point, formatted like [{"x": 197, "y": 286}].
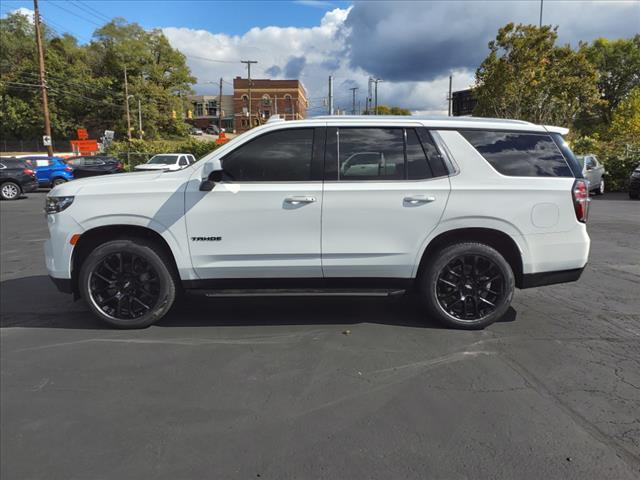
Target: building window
[
  {"x": 198, "y": 109},
  {"x": 266, "y": 100},
  {"x": 212, "y": 108},
  {"x": 288, "y": 104}
]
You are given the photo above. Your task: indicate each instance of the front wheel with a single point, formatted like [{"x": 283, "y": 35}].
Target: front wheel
[
  {"x": 127, "y": 284},
  {"x": 10, "y": 191},
  {"x": 467, "y": 286},
  {"x": 600, "y": 189}
]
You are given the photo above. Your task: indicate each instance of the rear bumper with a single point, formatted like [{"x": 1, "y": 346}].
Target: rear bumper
[
  {"x": 29, "y": 186},
  {"x": 530, "y": 280},
  {"x": 634, "y": 185}
]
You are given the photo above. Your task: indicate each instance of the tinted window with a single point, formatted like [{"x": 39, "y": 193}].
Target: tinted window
[
  {"x": 371, "y": 153},
  {"x": 436, "y": 161},
  {"x": 569, "y": 156},
  {"x": 417, "y": 165},
  {"x": 280, "y": 156},
  {"x": 183, "y": 161},
  {"x": 520, "y": 154}
]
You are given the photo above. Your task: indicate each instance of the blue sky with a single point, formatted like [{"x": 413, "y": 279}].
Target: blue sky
[
  {"x": 230, "y": 17},
  {"x": 413, "y": 46}
]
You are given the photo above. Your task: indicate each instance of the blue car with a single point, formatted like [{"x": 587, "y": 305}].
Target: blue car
[{"x": 50, "y": 171}]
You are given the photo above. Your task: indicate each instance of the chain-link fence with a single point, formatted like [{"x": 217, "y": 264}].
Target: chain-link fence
[{"x": 33, "y": 145}]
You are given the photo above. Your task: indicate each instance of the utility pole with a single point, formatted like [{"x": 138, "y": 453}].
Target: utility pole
[
  {"x": 541, "y": 2},
  {"x": 249, "y": 62},
  {"x": 450, "y": 97},
  {"x": 330, "y": 94},
  {"x": 369, "y": 97},
  {"x": 353, "y": 103},
  {"x": 220, "y": 107},
  {"x": 43, "y": 81},
  {"x": 126, "y": 97},
  {"x": 376, "y": 80},
  {"x": 139, "y": 119}
]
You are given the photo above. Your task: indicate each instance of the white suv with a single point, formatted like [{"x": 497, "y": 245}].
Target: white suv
[{"x": 458, "y": 211}]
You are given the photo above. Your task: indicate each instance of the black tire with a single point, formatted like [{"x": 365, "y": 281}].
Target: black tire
[
  {"x": 121, "y": 277},
  {"x": 10, "y": 191},
  {"x": 462, "y": 274},
  {"x": 57, "y": 181}
]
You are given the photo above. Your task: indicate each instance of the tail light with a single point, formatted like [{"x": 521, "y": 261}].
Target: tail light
[
  {"x": 580, "y": 193},
  {"x": 28, "y": 171},
  {"x": 68, "y": 169}
]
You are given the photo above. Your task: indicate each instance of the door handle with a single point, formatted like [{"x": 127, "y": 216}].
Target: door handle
[
  {"x": 299, "y": 200},
  {"x": 418, "y": 199}
]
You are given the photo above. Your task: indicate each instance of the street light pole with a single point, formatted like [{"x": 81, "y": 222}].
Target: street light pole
[
  {"x": 126, "y": 94},
  {"x": 43, "y": 82},
  {"x": 139, "y": 119},
  {"x": 353, "y": 103},
  {"x": 249, "y": 62}
]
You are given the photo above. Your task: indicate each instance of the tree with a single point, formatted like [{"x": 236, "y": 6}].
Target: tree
[
  {"x": 618, "y": 65},
  {"x": 86, "y": 82},
  {"x": 386, "y": 110},
  {"x": 527, "y": 77}
]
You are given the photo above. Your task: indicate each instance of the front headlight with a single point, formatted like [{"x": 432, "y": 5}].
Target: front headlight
[{"x": 57, "y": 204}]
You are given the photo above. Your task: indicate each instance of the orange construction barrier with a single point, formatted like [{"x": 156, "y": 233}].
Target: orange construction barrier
[{"x": 222, "y": 138}]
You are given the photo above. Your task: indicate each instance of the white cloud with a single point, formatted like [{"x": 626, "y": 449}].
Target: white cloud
[
  {"x": 24, "y": 11},
  {"x": 363, "y": 40}
]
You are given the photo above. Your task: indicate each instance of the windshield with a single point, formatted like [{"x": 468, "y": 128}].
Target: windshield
[{"x": 163, "y": 159}]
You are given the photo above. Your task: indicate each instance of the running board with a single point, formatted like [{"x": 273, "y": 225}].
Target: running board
[{"x": 277, "y": 292}]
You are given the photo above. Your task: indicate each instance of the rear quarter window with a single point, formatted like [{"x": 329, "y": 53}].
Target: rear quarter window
[{"x": 519, "y": 154}]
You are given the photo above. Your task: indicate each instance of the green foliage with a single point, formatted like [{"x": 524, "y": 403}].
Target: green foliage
[
  {"x": 527, "y": 77},
  {"x": 386, "y": 110},
  {"x": 86, "y": 82}
]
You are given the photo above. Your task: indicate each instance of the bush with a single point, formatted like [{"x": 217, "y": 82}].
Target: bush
[{"x": 140, "y": 151}]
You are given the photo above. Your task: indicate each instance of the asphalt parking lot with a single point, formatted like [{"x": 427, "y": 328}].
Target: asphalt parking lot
[{"x": 311, "y": 388}]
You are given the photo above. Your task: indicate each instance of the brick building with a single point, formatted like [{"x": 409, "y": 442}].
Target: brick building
[
  {"x": 206, "y": 108},
  {"x": 287, "y": 98}
]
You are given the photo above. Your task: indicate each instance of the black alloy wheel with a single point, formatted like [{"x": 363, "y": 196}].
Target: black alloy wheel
[
  {"x": 470, "y": 287},
  {"x": 466, "y": 285},
  {"x": 124, "y": 286},
  {"x": 128, "y": 283}
]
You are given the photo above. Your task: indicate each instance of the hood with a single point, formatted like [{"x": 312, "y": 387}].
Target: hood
[{"x": 108, "y": 183}]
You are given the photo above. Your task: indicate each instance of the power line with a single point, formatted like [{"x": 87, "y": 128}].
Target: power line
[
  {"x": 92, "y": 11},
  {"x": 75, "y": 14}
]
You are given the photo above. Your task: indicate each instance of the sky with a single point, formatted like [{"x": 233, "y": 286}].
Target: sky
[{"x": 412, "y": 46}]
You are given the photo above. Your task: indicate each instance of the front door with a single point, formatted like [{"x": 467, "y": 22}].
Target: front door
[
  {"x": 382, "y": 198},
  {"x": 263, "y": 219}
]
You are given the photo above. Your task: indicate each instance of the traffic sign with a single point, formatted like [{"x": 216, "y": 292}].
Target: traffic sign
[
  {"x": 82, "y": 133},
  {"x": 46, "y": 140}
]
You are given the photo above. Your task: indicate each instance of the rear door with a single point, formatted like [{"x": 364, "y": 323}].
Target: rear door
[{"x": 382, "y": 198}]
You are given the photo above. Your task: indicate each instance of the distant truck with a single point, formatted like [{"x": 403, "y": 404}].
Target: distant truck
[{"x": 167, "y": 161}]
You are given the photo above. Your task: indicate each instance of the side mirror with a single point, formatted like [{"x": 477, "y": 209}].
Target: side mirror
[{"x": 213, "y": 178}]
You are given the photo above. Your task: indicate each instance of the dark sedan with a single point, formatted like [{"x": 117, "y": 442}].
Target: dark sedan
[
  {"x": 16, "y": 178},
  {"x": 634, "y": 183},
  {"x": 93, "y": 166}
]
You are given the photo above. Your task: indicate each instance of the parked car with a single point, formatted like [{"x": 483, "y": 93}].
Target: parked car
[
  {"x": 50, "y": 171},
  {"x": 634, "y": 183},
  {"x": 594, "y": 172},
  {"x": 16, "y": 178},
  {"x": 212, "y": 129},
  {"x": 94, "y": 165},
  {"x": 168, "y": 161},
  {"x": 195, "y": 130},
  {"x": 458, "y": 211}
]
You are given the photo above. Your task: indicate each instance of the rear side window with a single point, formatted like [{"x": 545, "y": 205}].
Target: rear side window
[
  {"x": 371, "y": 153},
  {"x": 519, "y": 154}
]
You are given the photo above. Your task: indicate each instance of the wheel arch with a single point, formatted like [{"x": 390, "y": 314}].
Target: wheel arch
[
  {"x": 499, "y": 240},
  {"x": 90, "y": 239}
]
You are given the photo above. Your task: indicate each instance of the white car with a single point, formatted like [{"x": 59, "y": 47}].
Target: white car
[
  {"x": 459, "y": 211},
  {"x": 167, "y": 161}
]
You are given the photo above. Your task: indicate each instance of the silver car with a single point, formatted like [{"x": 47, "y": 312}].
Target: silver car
[{"x": 593, "y": 172}]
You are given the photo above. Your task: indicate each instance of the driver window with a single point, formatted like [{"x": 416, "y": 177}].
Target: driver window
[
  {"x": 183, "y": 161},
  {"x": 280, "y": 156}
]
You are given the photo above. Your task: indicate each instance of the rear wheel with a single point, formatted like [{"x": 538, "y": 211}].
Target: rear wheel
[
  {"x": 467, "y": 286},
  {"x": 127, "y": 284},
  {"x": 10, "y": 191},
  {"x": 57, "y": 181}
]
